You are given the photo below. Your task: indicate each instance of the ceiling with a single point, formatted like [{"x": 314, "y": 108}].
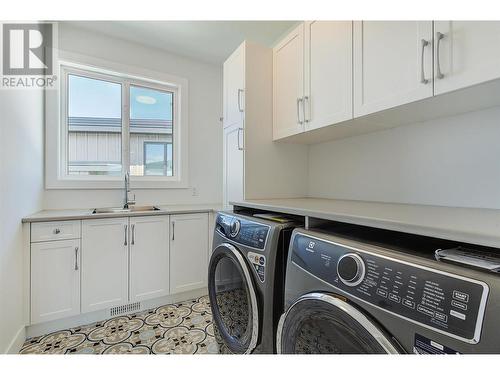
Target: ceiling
[{"x": 209, "y": 41}]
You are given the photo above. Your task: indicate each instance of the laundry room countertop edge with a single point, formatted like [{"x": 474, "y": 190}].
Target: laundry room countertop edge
[
  {"x": 81, "y": 214},
  {"x": 479, "y": 226}
]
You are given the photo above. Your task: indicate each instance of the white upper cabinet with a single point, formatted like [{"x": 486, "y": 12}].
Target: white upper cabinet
[
  {"x": 288, "y": 85},
  {"x": 233, "y": 165},
  {"x": 149, "y": 257},
  {"x": 55, "y": 280},
  {"x": 392, "y": 64},
  {"x": 466, "y": 53},
  {"x": 328, "y": 73},
  {"x": 234, "y": 124},
  {"x": 104, "y": 263},
  {"x": 312, "y": 77},
  {"x": 234, "y": 88},
  {"x": 188, "y": 252},
  {"x": 373, "y": 75}
]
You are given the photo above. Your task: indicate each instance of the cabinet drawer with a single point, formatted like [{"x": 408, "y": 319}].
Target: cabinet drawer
[{"x": 55, "y": 230}]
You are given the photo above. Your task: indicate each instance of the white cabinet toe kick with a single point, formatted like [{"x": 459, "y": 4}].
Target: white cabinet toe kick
[{"x": 82, "y": 271}]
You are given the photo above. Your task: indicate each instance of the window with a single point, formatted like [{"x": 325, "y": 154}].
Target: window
[
  {"x": 94, "y": 124},
  {"x": 151, "y": 118},
  {"x": 112, "y": 123}
]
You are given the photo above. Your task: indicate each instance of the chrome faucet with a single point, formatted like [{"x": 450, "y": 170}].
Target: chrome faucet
[{"x": 127, "y": 201}]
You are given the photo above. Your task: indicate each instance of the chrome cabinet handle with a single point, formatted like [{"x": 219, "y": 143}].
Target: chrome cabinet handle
[
  {"x": 76, "y": 258},
  {"x": 439, "y": 74},
  {"x": 133, "y": 234},
  {"x": 57, "y": 231},
  {"x": 238, "y": 135},
  {"x": 240, "y": 108},
  {"x": 173, "y": 230},
  {"x": 299, "y": 101},
  {"x": 306, "y": 119},
  {"x": 126, "y": 235},
  {"x": 423, "y": 80}
]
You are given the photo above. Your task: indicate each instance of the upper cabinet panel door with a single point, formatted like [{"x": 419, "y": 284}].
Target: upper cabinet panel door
[
  {"x": 466, "y": 53},
  {"x": 392, "y": 64},
  {"x": 104, "y": 263},
  {"x": 149, "y": 257},
  {"x": 234, "y": 88},
  {"x": 288, "y": 88},
  {"x": 328, "y": 73}
]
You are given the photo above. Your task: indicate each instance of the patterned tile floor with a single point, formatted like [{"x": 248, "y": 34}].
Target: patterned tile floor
[{"x": 181, "y": 328}]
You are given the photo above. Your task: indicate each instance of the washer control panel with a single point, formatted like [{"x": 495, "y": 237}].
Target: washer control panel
[
  {"x": 451, "y": 304},
  {"x": 243, "y": 231},
  {"x": 258, "y": 262}
]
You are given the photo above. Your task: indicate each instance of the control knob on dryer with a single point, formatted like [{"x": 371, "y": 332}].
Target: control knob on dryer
[
  {"x": 234, "y": 228},
  {"x": 351, "y": 269}
]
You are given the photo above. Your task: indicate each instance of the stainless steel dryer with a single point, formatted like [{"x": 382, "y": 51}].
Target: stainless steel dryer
[
  {"x": 246, "y": 281},
  {"x": 350, "y": 294}
]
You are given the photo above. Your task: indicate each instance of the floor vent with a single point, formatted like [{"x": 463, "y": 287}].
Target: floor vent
[{"x": 119, "y": 310}]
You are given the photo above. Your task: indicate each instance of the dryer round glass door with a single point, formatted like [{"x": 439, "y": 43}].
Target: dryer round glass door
[
  {"x": 320, "y": 323},
  {"x": 233, "y": 301}
]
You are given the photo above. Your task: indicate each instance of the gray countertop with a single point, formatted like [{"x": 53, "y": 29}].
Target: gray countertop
[
  {"x": 471, "y": 225},
  {"x": 79, "y": 214}
]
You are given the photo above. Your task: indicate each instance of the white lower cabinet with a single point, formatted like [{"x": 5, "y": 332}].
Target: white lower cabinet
[
  {"x": 104, "y": 263},
  {"x": 55, "y": 280},
  {"x": 149, "y": 257},
  {"x": 117, "y": 261},
  {"x": 188, "y": 252}
]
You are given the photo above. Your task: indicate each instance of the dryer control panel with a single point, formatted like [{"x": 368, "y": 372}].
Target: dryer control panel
[
  {"x": 242, "y": 231},
  {"x": 444, "y": 302}
]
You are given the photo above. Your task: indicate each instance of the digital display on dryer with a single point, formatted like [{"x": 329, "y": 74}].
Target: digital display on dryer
[
  {"x": 439, "y": 300},
  {"x": 250, "y": 233}
]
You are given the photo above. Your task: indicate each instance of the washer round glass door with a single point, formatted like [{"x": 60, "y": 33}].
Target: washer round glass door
[
  {"x": 319, "y": 323},
  {"x": 233, "y": 301}
]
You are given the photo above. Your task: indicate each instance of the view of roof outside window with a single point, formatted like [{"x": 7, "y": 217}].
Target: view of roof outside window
[{"x": 95, "y": 129}]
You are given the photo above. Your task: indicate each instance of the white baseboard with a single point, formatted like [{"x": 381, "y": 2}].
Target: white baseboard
[
  {"x": 96, "y": 316},
  {"x": 17, "y": 342}
]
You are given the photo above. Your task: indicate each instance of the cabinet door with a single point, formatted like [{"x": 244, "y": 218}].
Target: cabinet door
[
  {"x": 288, "y": 85},
  {"x": 466, "y": 53},
  {"x": 328, "y": 73},
  {"x": 104, "y": 263},
  {"x": 55, "y": 280},
  {"x": 392, "y": 66},
  {"x": 149, "y": 259},
  {"x": 188, "y": 252},
  {"x": 234, "y": 88},
  {"x": 233, "y": 165}
]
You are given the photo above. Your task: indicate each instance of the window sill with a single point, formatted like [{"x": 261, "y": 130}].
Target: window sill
[{"x": 115, "y": 183}]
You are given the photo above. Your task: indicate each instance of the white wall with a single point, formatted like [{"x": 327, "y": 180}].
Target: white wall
[
  {"x": 205, "y": 130},
  {"x": 453, "y": 161},
  {"x": 21, "y": 192}
]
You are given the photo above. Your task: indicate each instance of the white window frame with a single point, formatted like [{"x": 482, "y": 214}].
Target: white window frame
[{"x": 56, "y": 166}]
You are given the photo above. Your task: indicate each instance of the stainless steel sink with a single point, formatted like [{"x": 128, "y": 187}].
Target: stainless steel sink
[{"x": 112, "y": 210}]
